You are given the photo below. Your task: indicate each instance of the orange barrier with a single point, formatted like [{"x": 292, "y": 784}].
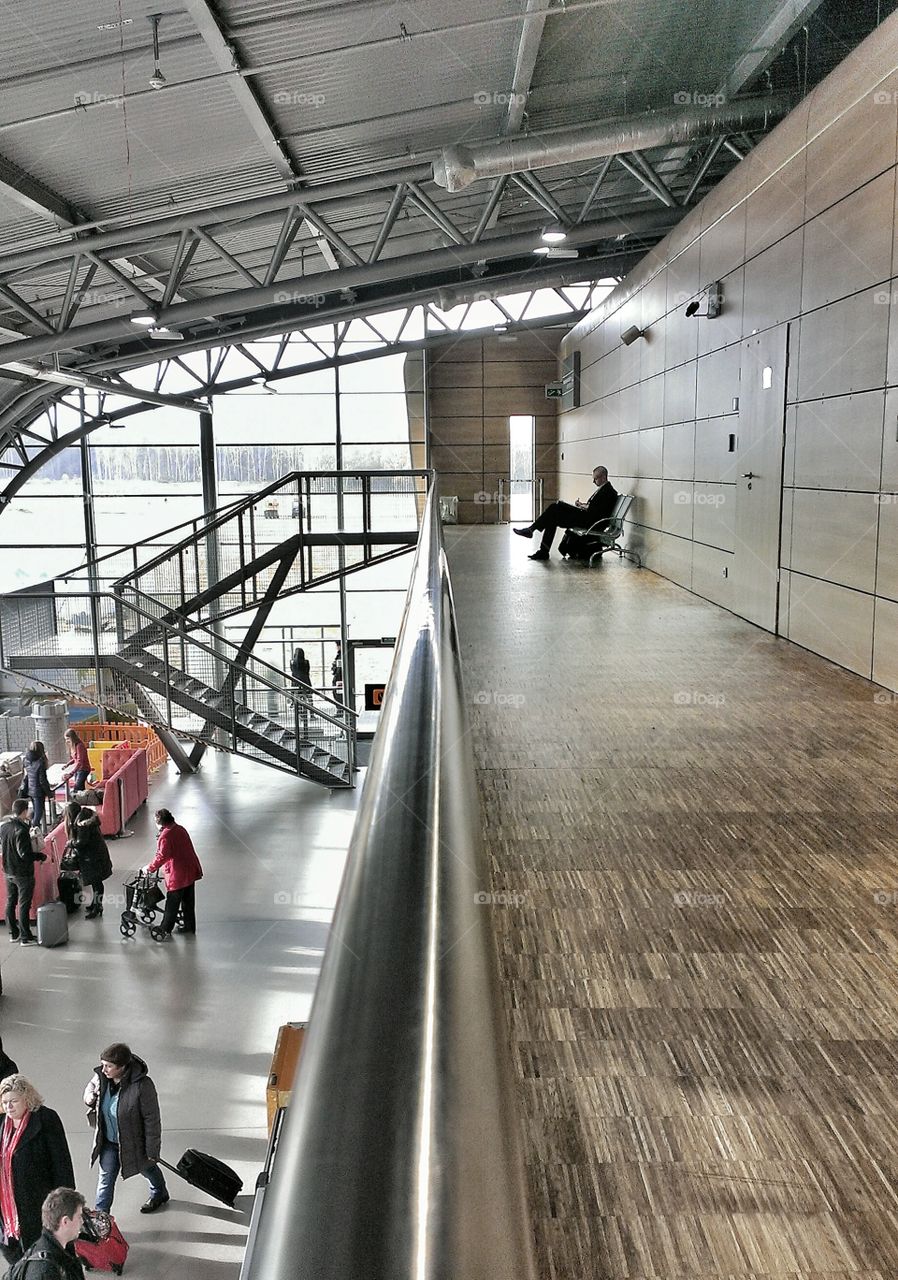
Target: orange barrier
[{"x": 135, "y": 735}]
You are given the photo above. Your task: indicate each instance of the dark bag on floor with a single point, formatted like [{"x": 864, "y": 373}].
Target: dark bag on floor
[
  {"x": 209, "y": 1175},
  {"x": 70, "y": 890}
]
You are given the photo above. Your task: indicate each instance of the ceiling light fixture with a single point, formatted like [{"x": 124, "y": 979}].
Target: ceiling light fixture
[
  {"x": 157, "y": 79},
  {"x": 553, "y": 251},
  {"x": 163, "y": 334},
  {"x": 553, "y": 234},
  {"x": 145, "y": 319}
]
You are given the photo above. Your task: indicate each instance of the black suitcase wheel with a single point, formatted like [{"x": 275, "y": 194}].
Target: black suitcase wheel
[
  {"x": 128, "y": 928},
  {"x": 157, "y": 934},
  {"x": 118, "y": 1268}
]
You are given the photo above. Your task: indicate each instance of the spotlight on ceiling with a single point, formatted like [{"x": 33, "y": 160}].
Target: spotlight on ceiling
[
  {"x": 553, "y": 234},
  {"x": 157, "y": 79},
  {"x": 145, "y": 319},
  {"x": 629, "y": 336}
]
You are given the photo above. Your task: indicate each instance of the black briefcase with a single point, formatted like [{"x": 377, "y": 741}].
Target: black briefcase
[{"x": 208, "y": 1174}]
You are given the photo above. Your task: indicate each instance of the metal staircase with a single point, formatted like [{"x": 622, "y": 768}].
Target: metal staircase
[{"x": 159, "y": 654}]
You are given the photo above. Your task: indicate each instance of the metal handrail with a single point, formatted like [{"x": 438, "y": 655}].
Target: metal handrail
[{"x": 400, "y": 1155}]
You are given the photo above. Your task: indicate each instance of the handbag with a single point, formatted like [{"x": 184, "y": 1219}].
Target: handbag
[
  {"x": 37, "y": 840},
  {"x": 89, "y": 797},
  {"x": 69, "y": 860}
]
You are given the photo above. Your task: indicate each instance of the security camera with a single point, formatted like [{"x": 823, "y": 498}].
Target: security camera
[
  {"x": 629, "y": 336},
  {"x": 157, "y": 79}
]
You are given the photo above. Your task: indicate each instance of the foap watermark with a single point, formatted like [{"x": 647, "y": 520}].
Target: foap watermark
[
  {"x": 683, "y": 498},
  {"x": 886, "y": 897},
  {"x": 285, "y": 899},
  {"x": 691, "y": 898},
  {"x": 885, "y": 499},
  {"x": 294, "y": 297},
  {"x": 693, "y": 98},
  {"x": 885, "y": 698},
  {"x": 285, "y": 98},
  {"x": 885, "y": 297},
  {"x": 885, "y": 97},
  {"x": 85, "y": 98},
  {"x": 493, "y": 698},
  {"x": 485, "y": 499},
  {"x": 696, "y": 698},
  {"x": 485, "y": 99},
  {"x": 504, "y": 898}
]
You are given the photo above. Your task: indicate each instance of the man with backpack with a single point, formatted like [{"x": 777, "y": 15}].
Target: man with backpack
[{"x": 62, "y": 1215}]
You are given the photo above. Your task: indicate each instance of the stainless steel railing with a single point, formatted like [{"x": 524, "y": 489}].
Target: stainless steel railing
[{"x": 399, "y": 1158}]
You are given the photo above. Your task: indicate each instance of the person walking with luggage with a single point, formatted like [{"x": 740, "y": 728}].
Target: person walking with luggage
[
  {"x": 18, "y": 867},
  {"x": 62, "y": 1217},
  {"x": 83, "y": 835},
  {"x": 36, "y": 786},
  {"x": 176, "y": 856},
  {"x": 34, "y": 1159},
  {"x": 78, "y": 767},
  {"x": 123, "y": 1108}
]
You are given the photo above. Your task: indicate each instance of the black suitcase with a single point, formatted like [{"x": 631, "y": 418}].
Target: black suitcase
[{"x": 209, "y": 1175}]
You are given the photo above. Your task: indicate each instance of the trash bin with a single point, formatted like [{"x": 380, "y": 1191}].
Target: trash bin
[{"x": 449, "y": 510}]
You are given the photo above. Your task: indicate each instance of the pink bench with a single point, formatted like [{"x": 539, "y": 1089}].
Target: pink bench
[{"x": 125, "y": 787}]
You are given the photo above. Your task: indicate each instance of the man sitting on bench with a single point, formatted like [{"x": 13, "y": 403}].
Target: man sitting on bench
[{"x": 562, "y": 515}]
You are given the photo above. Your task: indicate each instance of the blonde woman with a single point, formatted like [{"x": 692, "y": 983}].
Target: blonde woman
[{"x": 34, "y": 1160}]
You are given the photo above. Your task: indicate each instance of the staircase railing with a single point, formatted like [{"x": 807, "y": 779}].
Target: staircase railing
[
  {"x": 336, "y": 521},
  {"x": 188, "y": 683}
]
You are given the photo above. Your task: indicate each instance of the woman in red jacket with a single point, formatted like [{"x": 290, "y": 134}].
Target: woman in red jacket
[
  {"x": 181, "y": 867},
  {"x": 78, "y": 768}
]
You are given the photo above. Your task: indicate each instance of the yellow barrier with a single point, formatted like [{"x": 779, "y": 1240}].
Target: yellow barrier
[{"x": 113, "y": 735}]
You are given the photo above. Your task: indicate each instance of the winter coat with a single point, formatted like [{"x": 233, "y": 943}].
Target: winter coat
[
  {"x": 139, "y": 1121},
  {"x": 300, "y": 669},
  {"x": 35, "y": 782},
  {"x": 177, "y": 857},
  {"x": 7, "y": 1066},
  {"x": 40, "y": 1163},
  {"x": 79, "y": 761},
  {"x": 90, "y": 848},
  {"x": 18, "y": 856},
  {"x": 59, "y": 1264}
]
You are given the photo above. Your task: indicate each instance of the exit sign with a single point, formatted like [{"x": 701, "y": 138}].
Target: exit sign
[{"x": 554, "y": 390}]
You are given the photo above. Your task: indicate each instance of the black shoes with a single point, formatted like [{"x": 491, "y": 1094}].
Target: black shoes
[
  {"x": 14, "y": 935},
  {"x": 30, "y": 941},
  {"x": 154, "y": 1203},
  {"x": 539, "y": 555},
  {"x": 523, "y": 533},
  {"x": 93, "y": 911}
]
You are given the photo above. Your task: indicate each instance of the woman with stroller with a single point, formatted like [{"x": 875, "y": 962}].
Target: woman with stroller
[
  {"x": 176, "y": 856},
  {"x": 36, "y": 786},
  {"x": 78, "y": 767},
  {"x": 34, "y": 1159},
  {"x": 84, "y": 838}
]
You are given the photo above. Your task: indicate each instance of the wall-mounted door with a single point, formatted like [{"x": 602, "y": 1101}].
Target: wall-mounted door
[{"x": 759, "y": 483}]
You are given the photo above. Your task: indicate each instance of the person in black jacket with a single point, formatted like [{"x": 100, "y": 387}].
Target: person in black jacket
[
  {"x": 36, "y": 786},
  {"x": 82, "y": 828},
  {"x": 564, "y": 515},
  {"x": 49, "y": 1258},
  {"x": 18, "y": 867},
  {"x": 34, "y": 1160},
  {"x": 7, "y": 1066}
]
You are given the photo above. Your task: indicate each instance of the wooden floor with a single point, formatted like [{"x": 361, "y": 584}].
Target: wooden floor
[{"x": 701, "y": 969}]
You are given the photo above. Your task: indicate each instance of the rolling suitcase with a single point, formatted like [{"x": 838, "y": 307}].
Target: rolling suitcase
[
  {"x": 209, "y": 1175},
  {"x": 52, "y": 924},
  {"x": 101, "y": 1246},
  {"x": 70, "y": 890}
]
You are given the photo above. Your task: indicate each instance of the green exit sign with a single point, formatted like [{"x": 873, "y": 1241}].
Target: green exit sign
[{"x": 554, "y": 390}]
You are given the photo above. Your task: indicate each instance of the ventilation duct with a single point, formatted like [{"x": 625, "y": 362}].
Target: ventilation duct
[{"x": 458, "y": 167}]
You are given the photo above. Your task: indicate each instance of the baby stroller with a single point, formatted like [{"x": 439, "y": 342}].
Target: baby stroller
[{"x": 143, "y": 896}]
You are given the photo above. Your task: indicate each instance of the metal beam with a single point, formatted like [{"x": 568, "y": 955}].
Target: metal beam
[
  {"x": 490, "y": 215},
  {"x": 525, "y": 63},
  {"x": 659, "y": 192},
  {"x": 537, "y": 191},
  {"x": 703, "y": 168},
  {"x": 400, "y": 268},
  {"x": 643, "y": 165},
  {"x": 389, "y": 221},
  {"x": 433, "y": 211},
  {"x": 24, "y": 190},
  {"x": 594, "y": 189}
]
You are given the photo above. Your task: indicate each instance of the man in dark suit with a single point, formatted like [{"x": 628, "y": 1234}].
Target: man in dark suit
[{"x": 582, "y": 515}]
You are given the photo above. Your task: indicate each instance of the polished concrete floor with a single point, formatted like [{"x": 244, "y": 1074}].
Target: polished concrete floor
[
  {"x": 203, "y": 1012},
  {"x": 695, "y": 828}
]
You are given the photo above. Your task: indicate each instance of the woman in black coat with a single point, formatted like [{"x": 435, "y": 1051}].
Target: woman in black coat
[
  {"x": 34, "y": 1160},
  {"x": 36, "y": 785},
  {"x": 82, "y": 827},
  {"x": 7, "y": 1066}
]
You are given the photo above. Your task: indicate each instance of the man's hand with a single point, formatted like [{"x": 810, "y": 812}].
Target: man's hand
[{"x": 580, "y": 504}]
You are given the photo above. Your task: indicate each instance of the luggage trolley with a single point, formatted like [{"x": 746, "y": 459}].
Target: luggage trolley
[{"x": 143, "y": 896}]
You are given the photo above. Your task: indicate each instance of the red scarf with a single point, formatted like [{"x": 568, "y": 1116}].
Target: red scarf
[{"x": 10, "y": 1137}]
